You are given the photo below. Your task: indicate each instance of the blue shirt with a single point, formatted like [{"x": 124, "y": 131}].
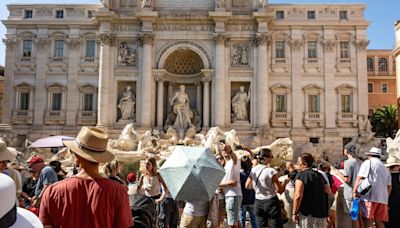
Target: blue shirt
[{"x": 47, "y": 176}]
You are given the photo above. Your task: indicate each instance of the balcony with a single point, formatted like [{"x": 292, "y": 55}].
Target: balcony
[
  {"x": 313, "y": 119},
  {"x": 281, "y": 119},
  {"x": 58, "y": 64},
  {"x": 89, "y": 64},
  {"x": 345, "y": 65},
  {"x": 280, "y": 65},
  {"x": 55, "y": 117},
  {"x": 312, "y": 65},
  {"x": 346, "y": 119},
  {"x": 26, "y": 64},
  {"x": 22, "y": 117},
  {"x": 87, "y": 118}
]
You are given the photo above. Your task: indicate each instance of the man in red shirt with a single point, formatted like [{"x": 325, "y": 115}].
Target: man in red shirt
[{"x": 87, "y": 199}]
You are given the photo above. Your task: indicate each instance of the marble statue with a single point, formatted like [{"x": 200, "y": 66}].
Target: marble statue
[
  {"x": 126, "y": 55},
  {"x": 126, "y": 105},
  {"x": 171, "y": 117},
  {"x": 180, "y": 104},
  {"x": 146, "y": 142},
  {"x": 196, "y": 121},
  {"x": 169, "y": 138},
  {"x": 106, "y": 3},
  {"x": 393, "y": 147},
  {"x": 262, "y": 4},
  {"x": 282, "y": 150},
  {"x": 232, "y": 139},
  {"x": 219, "y": 3},
  {"x": 239, "y": 105},
  {"x": 147, "y": 4},
  {"x": 212, "y": 138},
  {"x": 127, "y": 141}
]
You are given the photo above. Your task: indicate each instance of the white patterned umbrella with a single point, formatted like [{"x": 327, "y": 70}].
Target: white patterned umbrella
[{"x": 192, "y": 173}]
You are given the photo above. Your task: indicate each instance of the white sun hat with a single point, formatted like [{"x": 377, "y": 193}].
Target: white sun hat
[{"x": 11, "y": 215}]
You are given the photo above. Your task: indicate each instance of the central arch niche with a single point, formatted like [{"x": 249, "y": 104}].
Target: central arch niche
[{"x": 184, "y": 62}]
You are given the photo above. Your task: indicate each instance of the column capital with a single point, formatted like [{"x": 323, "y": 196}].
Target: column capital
[
  {"x": 206, "y": 79},
  {"x": 146, "y": 38},
  {"x": 262, "y": 39},
  {"x": 207, "y": 73},
  {"x": 74, "y": 43},
  {"x": 159, "y": 75},
  {"x": 42, "y": 43},
  {"x": 10, "y": 42},
  {"x": 106, "y": 38},
  {"x": 221, "y": 38},
  {"x": 328, "y": 44},
  {"x": 361, "y": 44},
  {"x": 296, "y": 43}
]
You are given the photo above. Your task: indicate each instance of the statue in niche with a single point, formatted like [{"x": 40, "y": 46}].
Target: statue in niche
[
  {"x": 219, "y": 3},
  {"x": 126, "y": 105},
  {"x": 146, "y": 4},
  {"x": 126, "y": 55},
  {"x": 239, "y": 105},
  {"x": 240, "y": 55},
  {"x": 180, "y": 104}
]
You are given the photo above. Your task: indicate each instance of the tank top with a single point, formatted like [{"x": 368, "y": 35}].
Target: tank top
[{"x": 151, "y": 186}]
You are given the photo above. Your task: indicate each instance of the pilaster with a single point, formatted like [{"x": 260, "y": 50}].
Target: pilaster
[
  {"x": 8, "y": 89},
  {"x": 42, "y": 45},
  {"x": 73, "y": 44}
]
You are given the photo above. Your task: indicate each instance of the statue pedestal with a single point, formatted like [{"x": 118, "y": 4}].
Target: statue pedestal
[
  {"x": 123, "y": 123},
  {"x": 181, "y": 133}
]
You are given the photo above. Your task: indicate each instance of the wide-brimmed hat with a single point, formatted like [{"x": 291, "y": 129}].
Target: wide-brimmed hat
[
  {"x": 374, "y": 151},
  {"x": 11, "y": 215},
  {"x": 7, "y": 153},
  {"x": 91, "y": 144},
  {"x": 392, "y": 161}
]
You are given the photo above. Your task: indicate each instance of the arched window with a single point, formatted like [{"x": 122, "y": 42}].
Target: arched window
[
  {"x": 383, "y": 66},
  {"x": 370, "y": 64}
]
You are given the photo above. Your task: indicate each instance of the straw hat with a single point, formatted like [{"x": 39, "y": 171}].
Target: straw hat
[
  {"x": 91, "y": 144},
  {"x": 392, "y": 161},
  {"x": 7, "y": 153},
  {"x": 374, "y": 151},
  {"x": 11, "y": 215}
]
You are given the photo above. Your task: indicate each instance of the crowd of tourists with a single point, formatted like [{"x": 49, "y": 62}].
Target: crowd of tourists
[{"x": 252, "y": 193}]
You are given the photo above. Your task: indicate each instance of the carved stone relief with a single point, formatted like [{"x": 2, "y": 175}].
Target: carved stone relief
[
  {"x": 45, "y": 12},
  {"x": 72, "y": 12},
  {"x": 219, "y": 3},
  {"x": 240, "y": 103},
  {"x": 16, "y": 12},
  {"x": 127, "y": 54},
  {"x": 240, "y": 54},
  {"x": 147, "y": 4}
]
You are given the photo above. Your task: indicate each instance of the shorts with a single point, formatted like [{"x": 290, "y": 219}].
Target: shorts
[
  {"x": 188, "y": 221},
  {"x": 233, "y": 204},
  {"x": 376, "y": 211}
]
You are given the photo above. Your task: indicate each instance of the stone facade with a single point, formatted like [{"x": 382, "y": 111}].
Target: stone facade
[
  {"x": 303, "y": 66},
  {"x": 396, "y": 54},
  {"x": 381, "y": 66}
]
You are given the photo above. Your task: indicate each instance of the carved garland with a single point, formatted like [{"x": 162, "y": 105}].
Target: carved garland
[
  {"x": 73, "y": 43},
  {"x": 296, "y": 43},
  {"x": 182, "y": 42},
  {"x": 361, "y": 44},
  {"x": 106, "y": 38},
  {"x": 42, "y": 43}
]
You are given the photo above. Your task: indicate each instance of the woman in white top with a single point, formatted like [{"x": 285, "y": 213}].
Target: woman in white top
[
  {"x": 265, "y": 182},
  {"x": 151, "y": 181}
]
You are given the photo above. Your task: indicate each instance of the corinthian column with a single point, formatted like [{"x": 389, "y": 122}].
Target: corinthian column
[
  {"x": 159, "y": 77},
  {"x": 105, "y": 39},
  {"x": 262, "y": 80},
  {"x": 206, "y": 102},
  {"x": 146, "y": 40},
  {"x": 219, "y": 81}
]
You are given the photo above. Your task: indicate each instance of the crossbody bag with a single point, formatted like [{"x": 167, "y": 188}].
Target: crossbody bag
[{"x": 365, "y": 186}]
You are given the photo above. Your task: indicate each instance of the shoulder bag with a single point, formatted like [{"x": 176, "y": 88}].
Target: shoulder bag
[{"x": 365, "y": 185}]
